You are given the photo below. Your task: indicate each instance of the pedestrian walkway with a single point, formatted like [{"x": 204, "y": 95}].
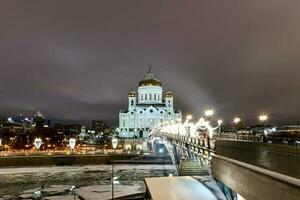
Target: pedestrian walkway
[{"x": 183, "y": 188}]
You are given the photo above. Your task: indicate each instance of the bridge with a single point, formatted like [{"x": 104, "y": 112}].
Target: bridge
[{"x": 244, "y": 166}]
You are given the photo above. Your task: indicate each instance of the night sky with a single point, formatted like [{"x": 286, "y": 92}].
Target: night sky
[{"x": 77, "y": 60}]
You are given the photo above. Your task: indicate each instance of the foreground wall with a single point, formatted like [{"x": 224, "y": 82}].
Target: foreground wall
[
  {"x": 279, "y": 158},
  {"x": 254, "y": 183}
]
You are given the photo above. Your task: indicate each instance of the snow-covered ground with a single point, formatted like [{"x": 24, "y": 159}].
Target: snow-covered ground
[{"x": 91, "y": 181}]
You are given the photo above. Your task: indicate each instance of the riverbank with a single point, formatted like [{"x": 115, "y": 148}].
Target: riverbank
[{"x": 62, "y": 160}]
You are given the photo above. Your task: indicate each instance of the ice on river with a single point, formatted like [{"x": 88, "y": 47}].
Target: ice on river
[{"x": 90, "y": 181}]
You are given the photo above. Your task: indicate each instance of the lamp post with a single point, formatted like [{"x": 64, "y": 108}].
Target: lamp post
[
  {"x": 236, "y": 120},
  {"x": 48, "y": 144},
  {"x": 219, "y": 123},
  {"x": 12, "y": 142},
  {"x": 208, "y": 113},
  {"x": 188, "y": 118},
  {"x": 114, "y": 142},
  {"x": 37, "y": 143},
  {"x": 72, "y": 143},
  {"x": 263, "y": 118}
]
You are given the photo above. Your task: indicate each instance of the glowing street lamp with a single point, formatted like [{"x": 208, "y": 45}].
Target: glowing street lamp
[
  {"x": 236, "y": 120},
  {"x": 37, "y": 143},
  {"x": 114, "y": 142},
  {"x": 219, "y": 123},
  {"x": 12, "y": 142},
  {"x": 72, "y": 143},
  {"x": 189, "y": 117},
  {"x": 263, "y": 118},
  {"x": 209, "y": 113}
]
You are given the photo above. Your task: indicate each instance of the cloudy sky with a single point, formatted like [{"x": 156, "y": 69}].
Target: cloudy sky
[{"x": 77, "y": 60}]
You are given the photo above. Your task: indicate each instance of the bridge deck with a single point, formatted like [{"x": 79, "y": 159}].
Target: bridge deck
[{"x": 178, "y": 188}]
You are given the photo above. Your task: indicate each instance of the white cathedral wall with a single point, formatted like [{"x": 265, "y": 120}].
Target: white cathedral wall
[
  {"x": 130, "y": 124},
  {"x": 150, "y": 94}
]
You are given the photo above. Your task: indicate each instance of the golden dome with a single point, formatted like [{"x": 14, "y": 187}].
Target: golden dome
[
  {"x": 132, "y": 93},
  {"x": 169, "y": 93},
  {"x": 150, "y": 80}
]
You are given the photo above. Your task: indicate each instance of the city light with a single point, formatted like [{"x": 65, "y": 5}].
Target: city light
[
  {"x": 189, "y": 117},
  {"x": 114, "y": 142},
  {"x": 72, "y": 143},
  {"x": 209, "y": 112},
  {"x": 263, "y": 117},
  {"x": 37, "y": 143},
  {"x": 220, "y": 121},
  {"x": 237, "y": 120}
]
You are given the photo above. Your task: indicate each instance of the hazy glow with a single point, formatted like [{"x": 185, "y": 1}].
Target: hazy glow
[
  {"x": 189, "y": 117},
  {"x": 209, "y": 112},
  {"x": 114, "y": 142},
  {"x": 263, "y": 117},
  {"x": 37, "y": 143},
  {"x": 72, "y": 143},
  {"x": 237, "y": 120}
]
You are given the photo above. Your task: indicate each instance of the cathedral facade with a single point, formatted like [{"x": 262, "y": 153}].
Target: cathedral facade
[{"x": 148, "y": 107}]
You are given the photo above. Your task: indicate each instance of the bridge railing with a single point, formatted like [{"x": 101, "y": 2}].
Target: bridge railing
[{"x": 233, "y": 136}]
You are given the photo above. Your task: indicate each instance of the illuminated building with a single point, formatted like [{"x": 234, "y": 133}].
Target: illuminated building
[{"x": 146, "y": 108}]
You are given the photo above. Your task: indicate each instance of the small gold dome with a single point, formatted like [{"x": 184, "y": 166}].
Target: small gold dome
[
  {"x": 149, "y": 80},
  {"x": 169, "y": 93},
  {"x": 132, "y": 93}
]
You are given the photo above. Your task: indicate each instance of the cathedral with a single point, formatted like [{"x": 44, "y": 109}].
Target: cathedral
[{"x": 146, "y": 108}]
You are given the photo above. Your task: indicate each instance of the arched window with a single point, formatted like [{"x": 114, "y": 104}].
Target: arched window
[{"x": 132, "y": 102}]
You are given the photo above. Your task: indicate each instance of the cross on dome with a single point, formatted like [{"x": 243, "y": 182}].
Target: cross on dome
[{"x": 150, "y": 79}]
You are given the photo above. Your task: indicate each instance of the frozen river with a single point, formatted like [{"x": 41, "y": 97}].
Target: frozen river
[{"x": 90, "y": 181}]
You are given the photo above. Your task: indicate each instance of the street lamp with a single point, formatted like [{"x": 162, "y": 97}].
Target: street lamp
[
  {"x": 263, "y": 118},
  {"x": 12, "y": 142},
  {"x": 37, "y": 143},
  {"x": 72, "y": 143},
  {"x": 114, "y": 142},
  {"x": 209, "y": 113},
  {"x": 219, "y": 123},
  {"x": 189, "y": 117},
  {"x": 236, "y": 120}
]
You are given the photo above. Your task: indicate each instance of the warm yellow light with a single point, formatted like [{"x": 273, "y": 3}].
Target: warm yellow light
[
  {"x": 189, "y": 117},
  {"x": 263, "y": 117},
  {"x": 220, "y": 121},
  {"x": 209, "y": 112},
  {"x": 237, "y": 120}
]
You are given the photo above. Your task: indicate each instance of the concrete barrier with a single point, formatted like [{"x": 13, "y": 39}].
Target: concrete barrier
[
  {"x": 279, "y": 158},
  {"x": 254, "y": 183}
]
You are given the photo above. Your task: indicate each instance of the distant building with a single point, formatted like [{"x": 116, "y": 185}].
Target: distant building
[
  {"x": 146, "y": 108},
  {"x": 99, "y": 126}
]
